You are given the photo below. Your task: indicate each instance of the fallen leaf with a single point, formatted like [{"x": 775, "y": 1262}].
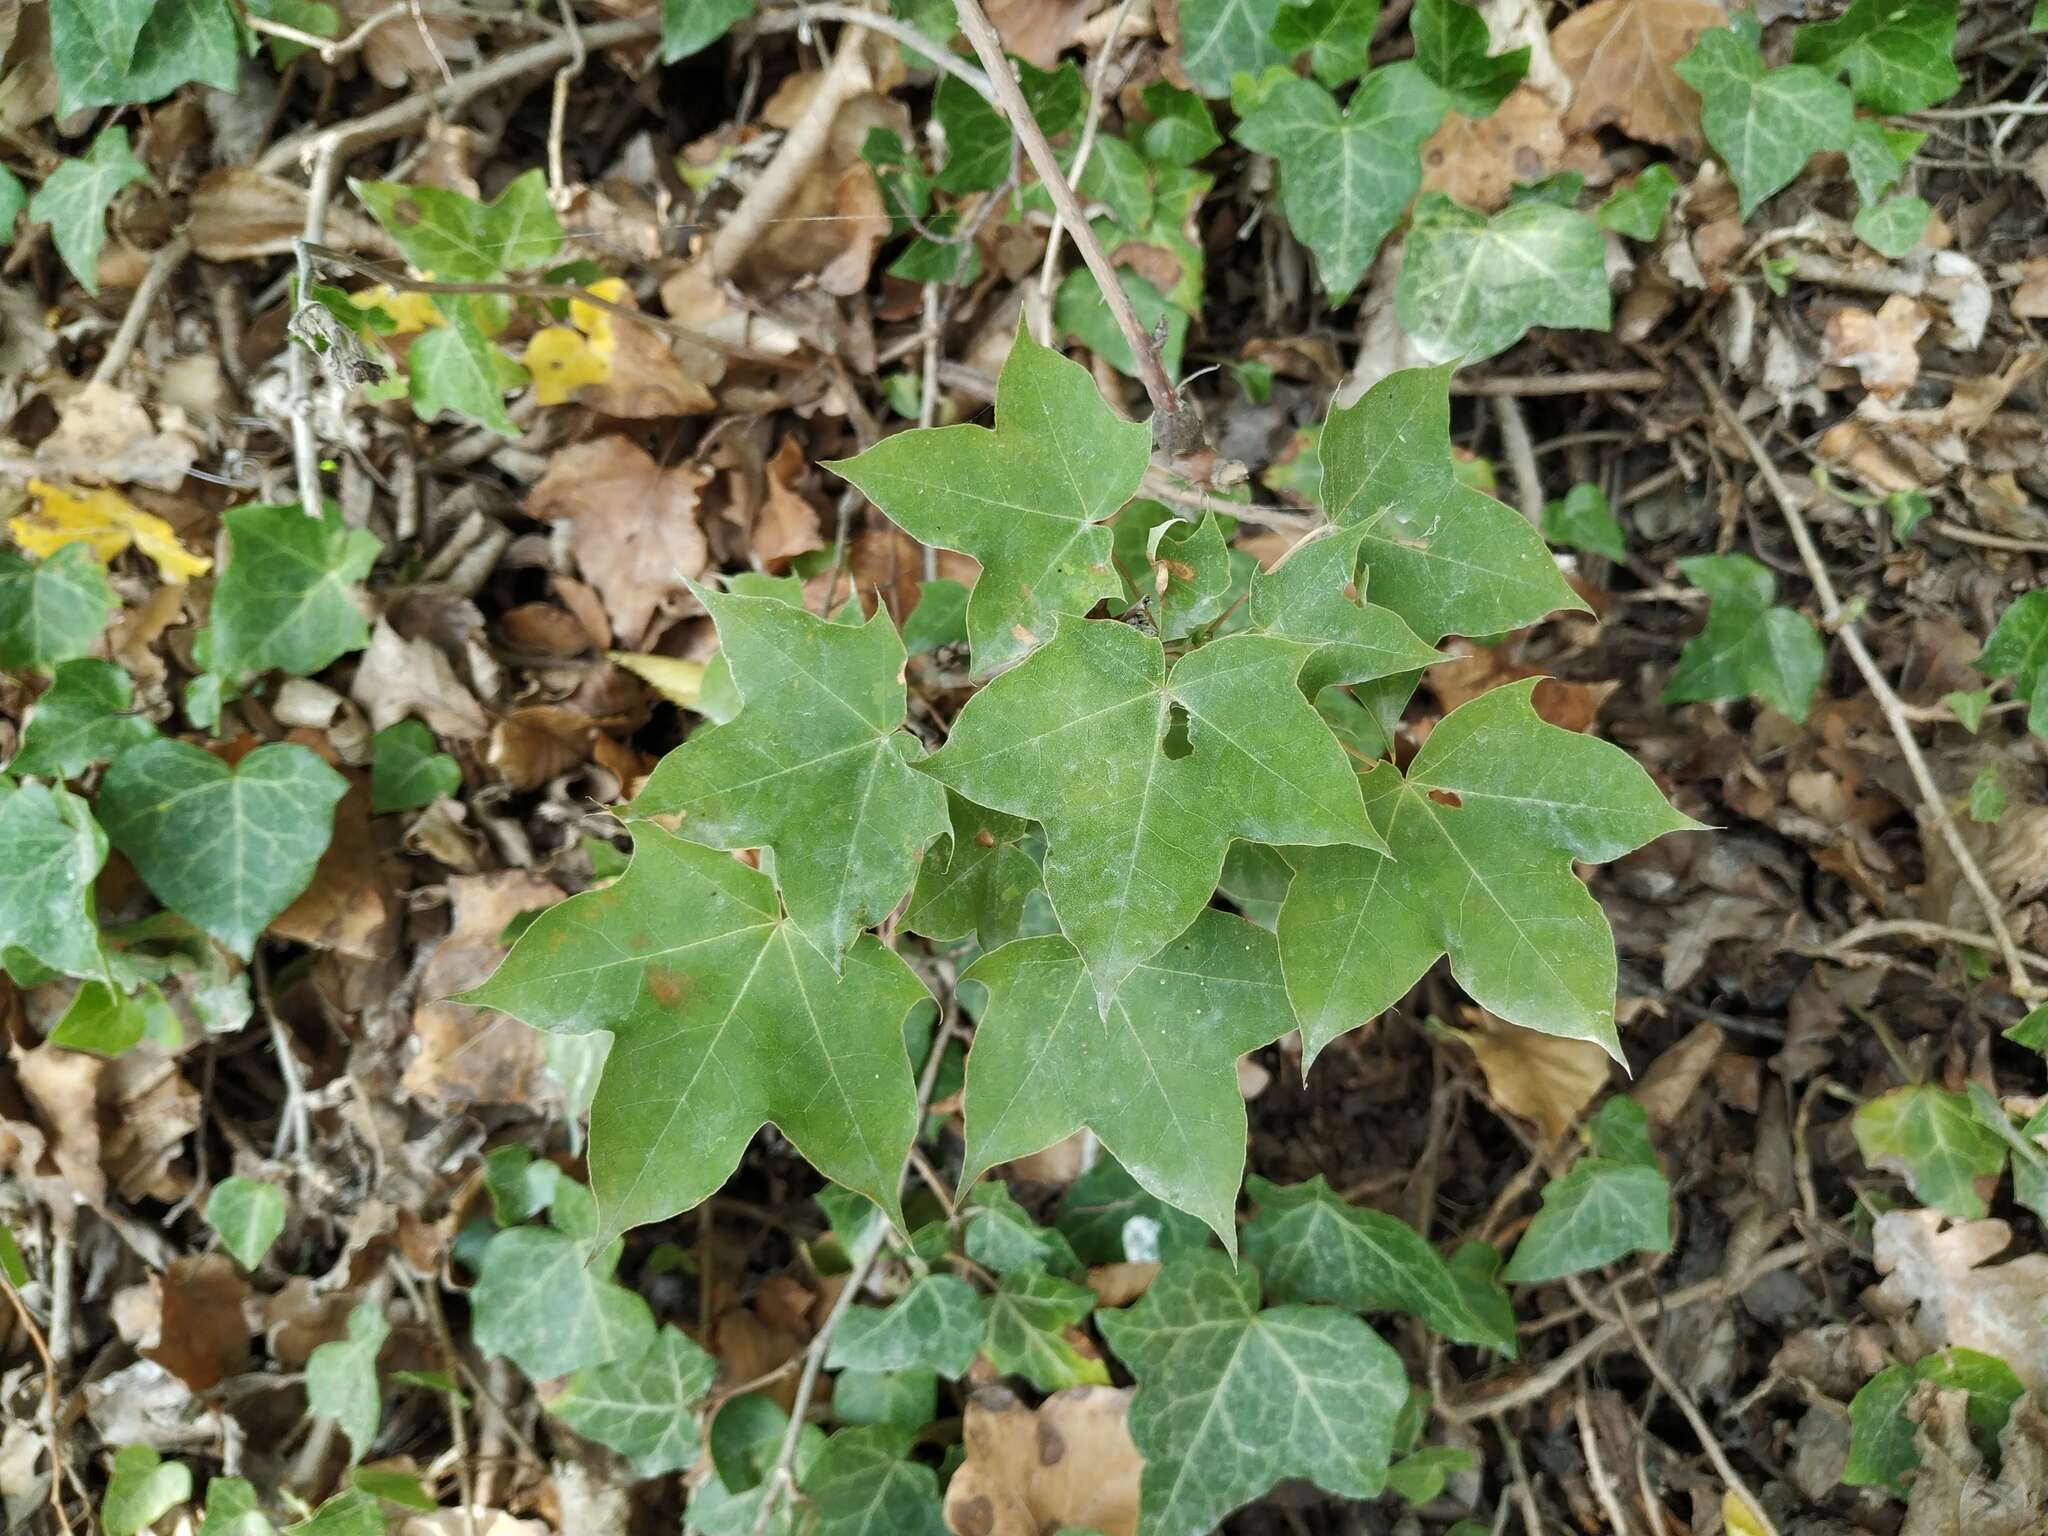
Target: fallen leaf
[
  {"x": 1619, "y": 55},
  {"x": 1954, "y": 1493},
  {"x": 409, "y": 47},
  {"x": 104, "y": 436},
  {"x": 1962, "y": 1300},
  {"x": 541, "y": 742},
  {"x": 611, "y": 363},
  {"x": 349, "y": 907},
  {"x": 1545, "y": 1078},
  {"x": 1069, "y": 1463},
  {"x": 786, "y": 524},
  {"x": 1479, "y": 161},
  {"x": 239, "y": 214},
  {"x": 397, "y": 677},
  {"x": 105, "y": 523},
  {"x": 680, "y": 682},
  {"x": 472, "y": 1055},
  {"x": 1039, "y": 31},
  {"x": 1883, "y": 348},
  {"x": 192, "y": 1320}
]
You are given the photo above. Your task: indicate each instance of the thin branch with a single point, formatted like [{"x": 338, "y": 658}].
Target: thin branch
[
  {"x": 1521, "y": 455},
  {"x": 888, "y": 26},
  {"x": 166, "y": 261},
  {"x": 1090, "y": 126},
  {"x": 326, "y": 161},
  {"x": 1628, "y": 381}
]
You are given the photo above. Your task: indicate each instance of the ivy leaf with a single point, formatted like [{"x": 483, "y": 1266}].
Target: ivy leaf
[
  {"x": 1765, "y": 124},
  {"x": 90, "y": 45},
  {"x": 101, "y": 1020},
  {"x": 46, "y": 901},
  {"x": 816, "y": 766},
  {"x": 709, "y": 992},
  {"x": 690, "y": 26},
  {"x": 1882, "y": 1452},
  {"x": 1345, "y": 177},
  {"x": 1899, "y": 54},
  {"x": 351, "y": 1512},
  {"x": 183, "y": 40},
  {"x": 1110, "y": 1218},
  {"x": 2018, "y": 649},
  {"x": 910, "y": 1398},
  {"x": 545, "y": 1298},
  {"x": 1484, "y": 829},
  {"x": 1081, "y": 312},
  {"x": 82, "y": 720},
  {"x": 978, "y": 141},
  {"x": 142, "y": 1489},
  {"x": 458, "y": 239},
  {"x": 934, "y": 1326},
  {"x": 641, "y": 1406},
  {"x": 1317, "y": 595},
  {"x": 1000, "y": 1235},
  {"x": 1314, "y": 1246},
  {"x": 1749, "y": 646},
  {"x": 1335, "y": 34},
  {"x": 406, "y": 769},
  {"x": 1451, "y": 46},
  {"x": 1220, "y": 39},
  {"x": 1599, "y": 1211},
  {"x": 13, "y": 198},
  {"x": 1081, "y": 739},
  {"x": 248, "y": 1214},
  {"x": 1893, "y": 227},
  {"x": 1472, "y": 286},
  {"x": 285, "y": 600},
  {"x": 1931, "y": 1136},
  {"x": 341, "y": 1379},
  {"x": 1584, "y": 521},
  {"x": 1156, "y": 1080},
  {"x": 719, "y": 1506},
  {"x": 457, "y": 368},
  {"x": 979, "y": 884},
  {"x": 233, "y": 1509},
  {"x": 1232, "y": 1400},
  {"x": 1637, "y": 210},
  {"x": 861, "y": 1483},
  {"x": 1182, "y": 130},
  {"x": 1027, "y": 1321},
  {"x": 73, "y": 201},
  {"x": 1446, "y": 558},
  {"x": 51, "y": 610},
  {"x": 227, "y": 848},
  {"x": 1025, "y": 500}
]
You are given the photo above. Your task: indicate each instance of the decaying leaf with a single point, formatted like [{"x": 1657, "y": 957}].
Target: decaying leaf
[
  {"x": 1620, "y": 53},
  {"x": 1547, "y": 1078},
  {"x": 1962, "y": 1299},
  {"x": 471, "y": 1055},
  {"x": 1067, "y": 1464},
  {"x": 1883, "y": 348}
]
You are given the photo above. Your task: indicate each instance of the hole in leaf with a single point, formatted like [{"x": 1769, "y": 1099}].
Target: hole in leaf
[
  {"x": 1446, "y": 797},
  {"x": 1177, "y": 745},
  {"x": 407, "y": 212}
]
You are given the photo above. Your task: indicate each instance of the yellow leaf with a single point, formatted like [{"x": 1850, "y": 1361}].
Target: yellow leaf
[
  {"x": 410, "y": 313},
  {"x": 1737, "y": 1517},
  {"x": 105, "y": 523},
  {"x": 680, "y": 682},
  {"x": 565, "y": 358}
]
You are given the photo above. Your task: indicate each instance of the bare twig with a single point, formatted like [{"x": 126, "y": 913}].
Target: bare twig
[
  {"x": 1596, "y": 1469},
  {"x": 1090, "y": 126},
  {"x": 166, "y": 261},
  {"x": 558, "y": 109},
  {"x": 888, "y": 26},
  {"x": 1521, "y": 456},
  {"x": 58, "y": 1467},
  {"x": 326, "y": 160},
  {"x": 1632, "y": 381},
  {"x": 1285, "y": 519}
]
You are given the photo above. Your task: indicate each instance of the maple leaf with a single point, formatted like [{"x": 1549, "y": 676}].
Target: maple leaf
[
  {"x": 1316, "y": 594},
  {"x": 1622, "y": 56}
]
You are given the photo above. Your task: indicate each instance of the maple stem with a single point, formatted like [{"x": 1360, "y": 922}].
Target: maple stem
[{"x": 1010, "y": 98}]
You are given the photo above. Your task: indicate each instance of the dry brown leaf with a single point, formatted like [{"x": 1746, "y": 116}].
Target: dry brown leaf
[
  {"x": 2030, "y": 298},
  {"x": 1068, "y": 1463},
  {"x": 1039, "y": 31},
  {"x": 62, "y": 1138},
  {"x": 1883, "y": 348},
  {"x": 1544, "y": 1078},
  {"x": 636, "y": 535},
  {"x": 415, "y": 46},
  {"x": 146, "y": 1110},
  {"x": 1118, "y": 1285},
  {"x": 239, "y": 214},
  {"x": 1619, "y": 55},
  {"x": 349, "y": 907},
  {"x": 542, "y": 629},
  {"x": 647, "y": 380},
  {"x": 1478, "y": 161},
  {"x": 397, "y": 677},
  {"x": 1954, "y": 1493},
  {"x": 1675, "y": 1076},
  {"x": 786, "y": 524},
  {"x": 105, "y": 437},
  {"x": 541, "y": 742},
  {"x": 194, "y": 1325},
  {"x": 1962, "y": 1299},
  {"x": 468, "y": 1055}
]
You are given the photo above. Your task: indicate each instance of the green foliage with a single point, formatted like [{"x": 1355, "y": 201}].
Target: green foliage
[
  {"x": 74, "y": 198},
  {"x": 1894, "y": 226},
  {"x": 1451, "y": 47},
  {"x": 1765, "y": 124},
  {"x": 140, "y": 50},
  {"x": 13, "y": 1268},
  {"x": 141, "y": 1489},
  {"x": 227, "y": 848},
  {"x": 2018, "y": 649},
  {"x": 1110, "y": 1218},
  {"x": 285, "y": 598},
  {"x": 1987, "y": 795},
  {"x": 1584, "y": 521},
  {"x": 457, "y": 368},
  {"x": 1027, "y": 1319},
  {"x": 83, "y": 719},
  {"x": 1473, "y": 285},
  {"x": 1000, "y": 1236},
  {"x": 102, "y": 1020},
  {"x": 1898, "y": 54},
  {"x": 407, "y": 770},
  {"x": 51, "y": 610},
  {"x": 248, "y": 1214},
  {"x": 341, "y": 1379},
  {"x": 55, "y": 850},
  {"x": 1317, "y": 595},
  {"x": 978, "y": 143},
  {"x": 1221, "y": 39},
  {"x": 690, "y": 26},
  {"x": 862, "y": 1483},
  {"x": 545, "y": 1298},
  {"x": 13, "y": 199},
  {"x": 1931, "y": 1136},
  {"x": 1611, "y": 1203},
  {"x": 1182, "y": 130},
  {"x": 1233, "y": 1400},
  {"x": 1080, "y": 311},
  {"x": 934, "y": 1326},
  {"x": 641, "y": 1406},
  {"x": 1882, "y": 1452},
  {"x": 1335, "y": 34},
  {"x": 458, "y": 239},
  {"x": 1637, "y": 209},
  {"x": 1749, "y": 646},
  {"x": 978, "y": 882}
]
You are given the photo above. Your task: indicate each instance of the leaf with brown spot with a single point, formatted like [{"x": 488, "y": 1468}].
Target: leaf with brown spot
[
  {"x": 1066, "y": 1464},
  {"x": 1620, "y": 56}
]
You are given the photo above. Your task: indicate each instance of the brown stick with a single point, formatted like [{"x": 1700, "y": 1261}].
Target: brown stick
[{"x": 1634, "y": 381}]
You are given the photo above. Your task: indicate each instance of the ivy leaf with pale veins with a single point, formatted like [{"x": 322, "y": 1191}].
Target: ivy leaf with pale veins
[
  {"x": 1447, "y": 558},
  {"x": 91, "y": 42},
  {"x": 1882, "y": 1451},
  {"x": 1749, "y": 645},
  {"x": 1316, "y": 595},
  {"x": 862, "y": 1484},
  {"x": 82, "y": 720},
  {"x": 1637, "y": 210},
  {"x": 51, "y": 610},
  {"x": 1001, "y": 1237},
  {"x": 1765, "y": 124},
  {"x": 73, "y": 201},
  {"x": 1081, "y": 738},
  {"x": 1027, "y": 1321},
  {"x": 1335, "y": 34},
  {"x": 1611, "y": 1203},
  {"x": 1484, "y": 829},
  {"x": 1451, "y": 44},
  {"x": 1346, "y": 176},
  {"x": 341, "y": 1379},
  {"x": 458, "y": 239},
  {"x": 457, "y": 368},
  {"x": 934, "y": 1326},
  {"x": 285, "y": 599},
  {"x": 816, "y": 766},
  {"x": 1314, "y": 1246},
  {"x": 641, "y": 1406},
  {"x": 248, "y": 1214},
  {"x": 978, "y": 885},
  {"x": 690, "y": 26},
  {"x": 1110, "y": 1218},
  {"x": 407, "y": 770},
  {"x": 1220, "y": 39},
  {"x": 141, "y": 1490},
  {"x": 183, "y": 40},
  {"x": 1899, "y": 54},
  {"x": 1156, "y": 1080},
  {"x": 1232, "y": 1400},
  {"x": 1027, "y": 500},
  {"x": 227, "y": 848},
  {"x": 1473, "y": 285},
  {"x": 54, "y": 853},
  {"x": 724, "y": 1017},
  {"x": 545, "y": 1298},
  {"x": 1932, "y": 1137}
]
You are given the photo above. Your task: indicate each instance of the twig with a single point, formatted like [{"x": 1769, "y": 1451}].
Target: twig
[
  {"x": 1639, "y": 381},
  {"x": 558, "y": 110},
  {"x": 1285, "y": 519},
  {"x": 166, "y": 261},
  {"x": 326, "y": 159},
  {"x": 426, "y": 1301},
  {"x": 1010, "y": 98},
  {"x": 294, "y": 1125},
  {"x": 1521, "y": 453},
  {"x": 1596, "y": 1469},
  {"x": 1090, "y": 125},
  {"x": 936, "y": 53},
  {"x": 1998, "y": 541},
  {"x": 419, "y": 21},
  {"x": 1873, "y": 677},
  {"x": 58, "y": 1469},
  {"x": 1911, "y": 928},
  {"x": 928, "y": 396},
  {"x": 1525, "y": 1492},
  {"x": 1988, "y": 109},
  {"x": 328, "y": 48}
]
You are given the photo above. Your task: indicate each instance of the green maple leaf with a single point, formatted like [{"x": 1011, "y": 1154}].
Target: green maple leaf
[
  {"x": 1637, "y": 210},
  {"x": 1191, "y": 582},
  {"x": 1346, "y": 176},
  {"x": 457, "y": 238},
  {"x": 1765, "y": 124},
  {"x": 1110, "y": 1218},
  {"x": 1316, "y": 595},
  {"x": 934, "y": 1326},
  {"x": 2018, "y": 649},
  {"x": 1156, "y": 1079},
  {"x": 1446, "y": 558},
  {"x": 341, "y": 1379},
  {"x": 1934, "y": 1138},
  {"x": 227, "y": 848},
  {"x": 142, "y": 1489},
  {"x": 1027, "y": 1321},
  {"x": 407, "y": 770},
  {"x": 457, "y": 368},
  {"x": 74, "y": 198},
  {"x": 55, "y": 850},
  {"x": 1232, "y": 1400},
  {"x": 1221, "y": 39},
  {"x": 1484, "y": 829},
  {"x": 248, "y": 1214},
  {"x": 862, "y": 1485},
  {"x": 1082, "y": 739},
  {"x": 90, "y": 44},
  {"x": 642, "y": 1406},
  {"x": 1882, "y": 1452},
  {"x": 1026, "y": 500},
  {"x": 1473, "y": 285},
  {"x": 285, "y": 600},
  {"x": 690, "y": 26},
  {"x": 1000, "y": 1235},
  {"x": 51, "y": 610},
  {"x": 1314, "y": 1246},
  {"x": 1611, "y": 1203},
  {"x": 978, "y": 882},
  {"x": 1749, "y": 646},
  {"x": 709, "y": 993},
  {"x": 1335, "y": 34},
  {"x": 1899, "y": 54},
  {"x": 183, "y": 40},
  {"x": 1451, "y": 44},
  {"x": 545, "y": 1298},
  {"x": 82, "y": 720},
  {"x": 1893, "y": 227},
  {"x": 816, "y": 765}
]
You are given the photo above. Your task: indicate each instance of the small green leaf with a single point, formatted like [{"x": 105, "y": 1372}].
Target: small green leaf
[
  {"x": 545, "y": 1298},
  {"x": 1987, "y": 796},
  {"x": 54, "y": 853},
  {"x": 1110, "y": 1218},
  {"x": 91, "y": 44},
  {"x": 234, "y": 1509},
  {"x": 1421, "y": 1475},
  {"x": 2031, "y": 1031},
  {"x": 1765, "y": 124},
  {"x": 2018, "y": 649},
  {"x": 939, "y": 620},
  {"x": 1221, "y": 39},
  {"x": 1232, "y": 1400},
  {"x": 341, "y": 1379},
  {"x": 458, "y": 239},
  {"x": 51, "y": 610},
  {"x": 934, "y": 1326},
  {"x": 1027, "y": 1321},
  {"x": 286, "y": 600},
  {"x": 351, "y": 1512},
  {"x": 82, "y": 720},
  {"x": 1899, "y": 54},
  {"x": 227, "y": 848},
  {"x": 1335, "y": 34},
  {"x": 1749, "y": 647},
  {"x": 642, "y": 1406},
  {"x": 1583, "y": 521},
  {"x": 457, "y": 368},
  {"x": 690, "y": 26},
  {"x": 910, "y": 1398},
  {"x": 248, "y": 1214},
  {"x": 979, "y": 883},
  {"x": 1598, "y": 1212},
  {"x": 74, "y": 198},
  {"x": 1451, "y": 45},
  {"x": 406, "y": 770},
  {"x": 1968, "y": 707},
  {"x": 978, "y": 143},
  {"x": 729, "y": 1503},
  {"x": 183, "y": 40},
  {"x": 1025, "y": 500},
  {"x": 141, "y": 1490},
  {"x": 314, "y": 16},
  {"x": 1893, "y": 227},
  {"x": 1637, "y": 210},
  {"x": 1931, "y": 1136},
  {"x": 13, "y": 199},
  {"x": 392, "y": 1486},
  {"x": 1471, "y": 286},
  {"x": 1001, "y": 1237},
  {"x": 1182, "y": 130},
  {"x": 1875, "y": 162},
  {"x": 1080, "y": 311},
  {"x": 1882, "y": 1452},
  {"x": 13, "y": 1268},
  {"x": 101, "y": 1020}
]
